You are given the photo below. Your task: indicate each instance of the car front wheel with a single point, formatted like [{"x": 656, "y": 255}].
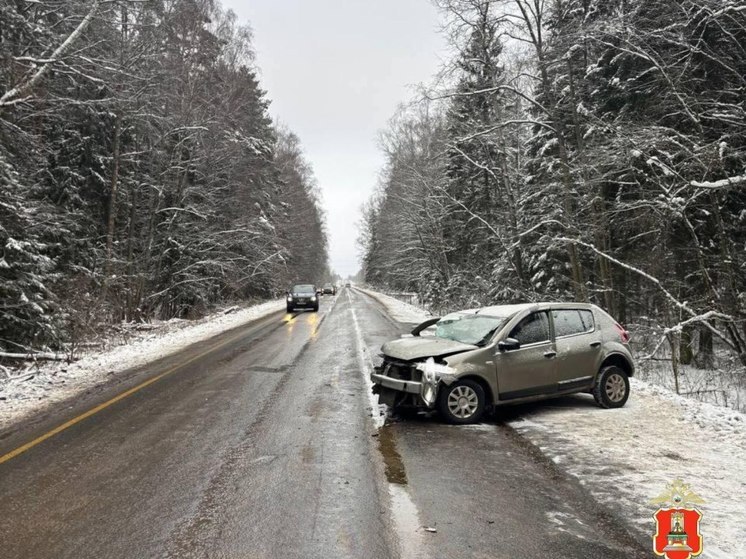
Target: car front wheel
[
  {"x": 612, "y": 387},
  {"x": 462, "y": 402},
  {"x": 289, "y": 309}
]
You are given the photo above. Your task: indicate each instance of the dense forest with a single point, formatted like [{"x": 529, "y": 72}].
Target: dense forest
[
  {"x": 140, "y": 173},
  {"x": 590, "y": 150}
]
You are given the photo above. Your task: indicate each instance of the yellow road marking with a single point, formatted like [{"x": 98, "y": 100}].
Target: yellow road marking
[{"x": 114, "y": 400}]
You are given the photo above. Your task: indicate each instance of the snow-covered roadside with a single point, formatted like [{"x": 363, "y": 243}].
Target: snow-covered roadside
[
  {"x": 398, "y": 310},
  {"x": 626, "y": 457},
  {"x": 52, "y": 382}
]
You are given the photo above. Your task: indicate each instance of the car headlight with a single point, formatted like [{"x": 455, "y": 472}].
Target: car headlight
[
  {"x": 313, "y": 298},
  {"x": 433, "y": 372},
  {"x": 290, "y": 297}
]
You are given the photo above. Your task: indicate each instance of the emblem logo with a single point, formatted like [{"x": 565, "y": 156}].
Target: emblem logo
[{"x": 677, "y": 522}]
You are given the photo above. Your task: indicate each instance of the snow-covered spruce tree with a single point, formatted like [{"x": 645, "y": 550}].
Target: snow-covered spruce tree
[
  {"x": 141, "y": 131},
  {"x": 297, "y": 216},
  {"x": 560, "y": 197},
  {"x": 51, "y": 127},
  {"x": 26, "y": 270},
  {"x": 644, "y": 119},
  {"x": 210, "y": 236},
  {"x": 477, "y": 229},
  {"x": 666, "y": 83}
]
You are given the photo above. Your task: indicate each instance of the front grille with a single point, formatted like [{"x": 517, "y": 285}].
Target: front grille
[{"x": 401, "y": 370}]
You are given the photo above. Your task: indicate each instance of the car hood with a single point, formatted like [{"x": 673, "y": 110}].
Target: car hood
[{"x": 407, "y": 349}]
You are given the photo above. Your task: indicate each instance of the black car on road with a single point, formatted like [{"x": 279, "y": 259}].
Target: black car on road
[{"x": 302, "y": 296}]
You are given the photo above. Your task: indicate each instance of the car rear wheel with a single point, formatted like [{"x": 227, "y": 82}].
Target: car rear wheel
[
  {"x": 612, "y": 387},
  {"x": 462, "y": 402}
]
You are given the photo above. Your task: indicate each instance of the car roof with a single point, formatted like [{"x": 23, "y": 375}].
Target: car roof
[
  {"x": 508, "y": 310},
  {"x": 505, "y": 310}
]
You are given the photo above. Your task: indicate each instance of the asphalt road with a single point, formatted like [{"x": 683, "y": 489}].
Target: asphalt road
[{"x": 260, "y": 444}]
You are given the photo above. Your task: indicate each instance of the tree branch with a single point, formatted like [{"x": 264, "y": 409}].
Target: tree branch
[{"x": 28, "y": 85}]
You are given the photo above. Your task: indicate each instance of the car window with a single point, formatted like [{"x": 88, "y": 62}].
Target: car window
[
  {"x": 304, "y": 289},
  {"x": 532, "y": 329},
  {"x": 587, "y": 317},
  {"x": 568, "y": 322}
]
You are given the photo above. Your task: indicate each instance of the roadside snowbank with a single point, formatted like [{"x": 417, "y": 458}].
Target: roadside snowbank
[
  {"x": 51, "y": 382},
  {"x": 627, "y": 457},
  {"x": 398, "y": 310}
]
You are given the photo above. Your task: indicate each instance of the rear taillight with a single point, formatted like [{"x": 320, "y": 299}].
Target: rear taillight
[{"x": 623, "y": 334}]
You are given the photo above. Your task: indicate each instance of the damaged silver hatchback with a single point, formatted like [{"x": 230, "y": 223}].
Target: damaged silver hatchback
[{"x": 481, "y": 358}]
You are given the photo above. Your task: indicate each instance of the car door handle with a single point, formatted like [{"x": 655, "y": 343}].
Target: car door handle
[
  {"x": 595, "y": 344},
  {"x": 550, "y": 354}
]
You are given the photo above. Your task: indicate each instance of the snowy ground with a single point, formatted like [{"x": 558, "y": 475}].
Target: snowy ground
[
  {"x": 398, "y": 310},
  {"x": 724, "y": 385},
  {"x": 40, "y": 386},
  {"x": 626, "y": 457}
]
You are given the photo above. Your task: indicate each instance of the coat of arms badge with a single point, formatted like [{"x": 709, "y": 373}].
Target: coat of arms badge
[{"x": 677, "y": 522}]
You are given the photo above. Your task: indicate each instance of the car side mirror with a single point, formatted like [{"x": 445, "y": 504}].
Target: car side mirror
[{"x": 508, "y": 344}]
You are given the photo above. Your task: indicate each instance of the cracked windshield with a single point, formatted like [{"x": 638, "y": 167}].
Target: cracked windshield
[{"x": 474, "y": 330}]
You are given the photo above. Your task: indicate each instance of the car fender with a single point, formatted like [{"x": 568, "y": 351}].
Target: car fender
[
  {"x": 479, "y": 364},
  {"x": 620, "y": 351}
]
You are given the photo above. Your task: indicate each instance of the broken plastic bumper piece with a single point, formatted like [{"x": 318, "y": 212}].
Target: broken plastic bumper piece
[{"x": 410, "y": 386}]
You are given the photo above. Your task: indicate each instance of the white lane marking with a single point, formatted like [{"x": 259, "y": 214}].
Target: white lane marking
[
  {"x": 404, "y": 514},
  {"x": 406, "y": 520},
  {"x": 334, "y": 304},
  {"x": 377, "y": 411}
]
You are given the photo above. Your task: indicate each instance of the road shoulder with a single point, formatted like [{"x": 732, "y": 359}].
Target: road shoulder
[{"x": 55, "y": 392}]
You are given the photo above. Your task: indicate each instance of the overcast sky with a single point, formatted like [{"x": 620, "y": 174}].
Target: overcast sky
[{"x": 335, "y": 71}]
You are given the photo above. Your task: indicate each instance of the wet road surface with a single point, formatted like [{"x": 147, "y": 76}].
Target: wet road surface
[{"x": 265, "y": 447}]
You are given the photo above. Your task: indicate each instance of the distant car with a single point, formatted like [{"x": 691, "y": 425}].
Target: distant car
[
  {"x": 329, "y": 289},
  {"x": 482, "y": 358},
  {"x": 347, "y": 284},
  {"x": 302, "y": 296}
]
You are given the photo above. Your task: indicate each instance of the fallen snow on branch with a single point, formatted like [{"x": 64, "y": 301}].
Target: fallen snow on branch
[
  {"x": 626, "y": 457},
  {"x": 33, "y": 356},
  {"x": 38, "y": 387},
  {"x": 731, "y": 181}
]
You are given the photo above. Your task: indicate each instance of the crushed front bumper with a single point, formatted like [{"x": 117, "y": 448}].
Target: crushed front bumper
[
  {"x": 431, "y": 375},
  {"x": 410, "y": 386}
]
